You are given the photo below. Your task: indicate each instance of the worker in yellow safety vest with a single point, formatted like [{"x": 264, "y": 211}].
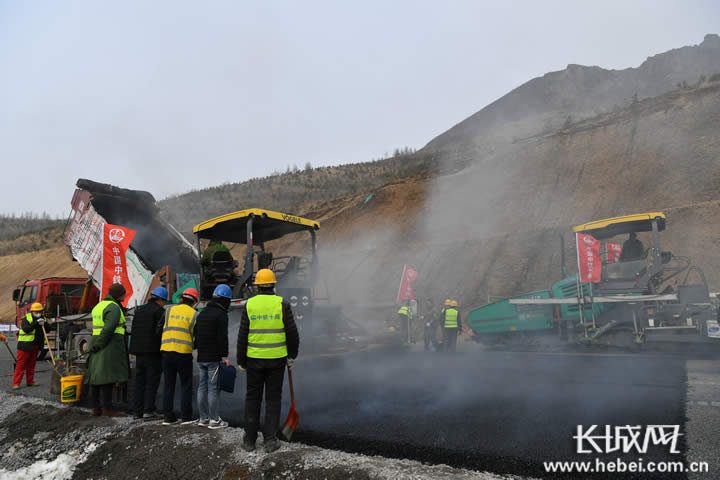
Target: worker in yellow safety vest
[
  {"x": 451, "y": 323},
  {"x": 268, "y": 341},
  {"x": 30, "y": 339},
  {"x": 176, "y": 346},
  {"x": 405, "y": 318}
]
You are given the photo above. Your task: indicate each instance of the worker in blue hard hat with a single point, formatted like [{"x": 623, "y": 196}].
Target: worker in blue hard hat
[
  {"x": 211, "y": 341},
  {"x": 147, "y": 327}
]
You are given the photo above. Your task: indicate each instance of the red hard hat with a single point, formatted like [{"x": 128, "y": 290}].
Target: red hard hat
[{"x": 191, "y": 292}]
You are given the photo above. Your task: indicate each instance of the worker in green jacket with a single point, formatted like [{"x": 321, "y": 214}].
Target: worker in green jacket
[
  {"x": 108, "y": 358},
  {"x": 213, "y": 246}
]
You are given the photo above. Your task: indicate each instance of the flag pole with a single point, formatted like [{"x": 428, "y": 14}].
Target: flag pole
[
  {"x": 402, "y": 279},
  {"x": 577, "y": 281}
]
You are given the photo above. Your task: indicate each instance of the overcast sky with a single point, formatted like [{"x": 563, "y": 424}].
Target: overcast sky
[{"x": 170, "y": 96}]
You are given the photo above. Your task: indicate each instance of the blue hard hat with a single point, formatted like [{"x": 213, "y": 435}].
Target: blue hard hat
[
  {"x": 160, "y": 292},
  {"x": 222, "y": 291}
]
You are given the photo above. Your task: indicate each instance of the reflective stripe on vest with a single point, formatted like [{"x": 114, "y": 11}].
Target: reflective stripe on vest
[
  {"x": 266, "y": 338},
  {"x": 451, "y": 316},
  {"x": 99, "y": 321},
  {"x": 404, "y": 311},
  {"x": 177, "y": 334},
  {"x": 27, "y": 337}
]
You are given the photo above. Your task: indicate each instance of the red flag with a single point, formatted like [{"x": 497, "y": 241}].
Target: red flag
[
  {"x": 116, "y": 240},
  {"x": 589, "y": 263},
  {"x": 406, "y": 292},
  {"x": 613, "y": 252}
]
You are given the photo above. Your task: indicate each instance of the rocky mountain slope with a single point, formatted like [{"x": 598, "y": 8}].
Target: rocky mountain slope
[{"x": 548, "y": 102}]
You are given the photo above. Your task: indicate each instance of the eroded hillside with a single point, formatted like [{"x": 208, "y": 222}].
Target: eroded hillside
[{"x": 493, "y": 228}]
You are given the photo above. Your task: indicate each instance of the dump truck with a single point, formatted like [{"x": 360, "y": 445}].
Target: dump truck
[
  {"x": 158, "y": 254},
  {"x": 656, "y": 299}
]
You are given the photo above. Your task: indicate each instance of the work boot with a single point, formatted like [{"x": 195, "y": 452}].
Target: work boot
[
  {"x": 96, "y": 412},
  {"x": 33, "y": 385},
  {"x": 110, "y": 412},
  {"x": 272, "y": 445},
  {"x": 16, "y": 387},
  {"x": 248, "y": 446}
]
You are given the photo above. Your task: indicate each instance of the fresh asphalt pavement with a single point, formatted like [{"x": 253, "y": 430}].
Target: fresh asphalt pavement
[{"x": 504, "y": 412}]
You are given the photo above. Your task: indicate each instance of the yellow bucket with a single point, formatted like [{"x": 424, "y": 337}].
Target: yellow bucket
[{"x": 70, "y": 388}]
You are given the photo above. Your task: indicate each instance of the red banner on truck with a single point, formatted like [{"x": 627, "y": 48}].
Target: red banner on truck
[
  {"x": 116, "y": 240},
  {"x": 406, "y": 292},
  {"x": 588, "y": 252},
  {"x": 613, "y": 252}
]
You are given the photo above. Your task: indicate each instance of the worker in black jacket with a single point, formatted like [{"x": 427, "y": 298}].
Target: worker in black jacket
[
  {"x": 268, "y": 341},
  {"x": 145, "y": 345},
  {"x": 211, "y": 341}
]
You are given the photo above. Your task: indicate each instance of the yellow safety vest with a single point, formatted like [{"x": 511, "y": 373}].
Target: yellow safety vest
[
  {"x": 266, "y": 338},
  {"x": 27, "y": 337},
  {"x": 177, "y": 334},
  {"x": 405, "y": 311},
  {"x": 99, "y": 322},
  {"x": 451, "y": 316}
]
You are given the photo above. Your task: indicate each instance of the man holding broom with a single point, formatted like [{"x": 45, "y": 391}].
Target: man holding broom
[{"x": 268, "y": 341}]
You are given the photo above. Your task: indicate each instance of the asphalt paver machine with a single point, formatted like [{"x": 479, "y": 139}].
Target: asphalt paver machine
[{"x": 654, "y": 298}]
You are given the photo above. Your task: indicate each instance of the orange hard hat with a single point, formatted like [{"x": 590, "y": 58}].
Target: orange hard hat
[{"x": 192, "y": 293}]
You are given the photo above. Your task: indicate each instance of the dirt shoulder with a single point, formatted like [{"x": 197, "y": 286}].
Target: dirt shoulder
[{"x": 50, "y": 440}]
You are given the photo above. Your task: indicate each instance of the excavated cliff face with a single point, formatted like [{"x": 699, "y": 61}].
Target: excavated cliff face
[{"x": 493, "y": 228}]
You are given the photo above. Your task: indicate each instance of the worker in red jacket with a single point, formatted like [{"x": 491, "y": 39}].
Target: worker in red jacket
[{"x": 30, "y": 338}]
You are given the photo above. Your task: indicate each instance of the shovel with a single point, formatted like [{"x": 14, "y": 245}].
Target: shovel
[
  {"x": 49, "y": 347},
  {"x": 291, "y": 422}
]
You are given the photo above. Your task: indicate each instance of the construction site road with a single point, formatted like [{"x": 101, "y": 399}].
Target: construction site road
[{"x": 500, "y": 412}]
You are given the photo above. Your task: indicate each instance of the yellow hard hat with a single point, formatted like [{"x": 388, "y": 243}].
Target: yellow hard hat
[
  {"x": 453, "y": 303},
  {"x": 448, "y": 302},
  {"x": 265, "y": 276},
  {"x": 36, "y": 307}
]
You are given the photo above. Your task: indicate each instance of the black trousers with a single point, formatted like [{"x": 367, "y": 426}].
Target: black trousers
[
  {"x": 101, "y": 395},
  {"x": 429, "y": 337},
  {"x": 148, "y": 367},
  {"x": 177, "y": 365},
  {"x": 267, "y": 375},
  {"x": 450, "y": 339}
]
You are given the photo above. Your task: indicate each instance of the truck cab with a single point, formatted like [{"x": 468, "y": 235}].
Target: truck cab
[{"x": 62, "y": 295}]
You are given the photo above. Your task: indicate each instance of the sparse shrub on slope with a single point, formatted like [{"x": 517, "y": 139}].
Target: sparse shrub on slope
[
  {"x": 290, "y": 190},
  {"x": 12, "y": 226}
]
